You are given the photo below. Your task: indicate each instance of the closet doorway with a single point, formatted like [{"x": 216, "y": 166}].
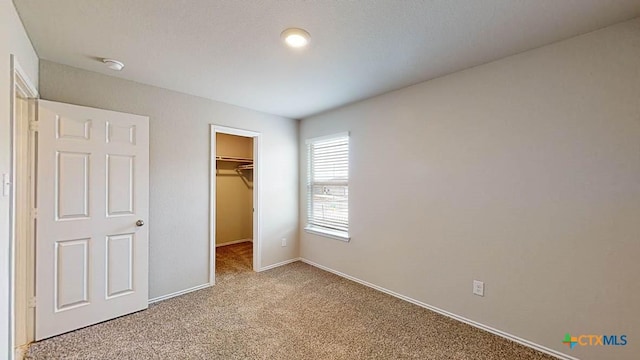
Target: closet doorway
[{"x": 235, "y": 210}]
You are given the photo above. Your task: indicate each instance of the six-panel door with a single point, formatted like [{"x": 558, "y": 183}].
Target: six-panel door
[{"x": 92, "y": 188}]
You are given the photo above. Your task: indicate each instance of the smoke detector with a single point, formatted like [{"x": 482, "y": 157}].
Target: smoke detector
[{"x": 113, "y": 64}]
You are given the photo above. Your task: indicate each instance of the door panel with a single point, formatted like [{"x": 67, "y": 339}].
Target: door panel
[
  {"x": 120, "y": 186},
  {"x": 121, "y": 134},
  {"x": 120, "y": 264},
  {"x": 69, "y": 128},
  {"x": 72, "y": 185},
  {"x": 93, "y": 185},
  {"x": 71, "y": 274}
]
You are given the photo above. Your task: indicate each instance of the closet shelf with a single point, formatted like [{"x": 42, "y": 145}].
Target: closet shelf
[
  {"x": 245, "y": 167},
  {"x": 234, "y": 159},
  {"x": 245, "y": 163}
]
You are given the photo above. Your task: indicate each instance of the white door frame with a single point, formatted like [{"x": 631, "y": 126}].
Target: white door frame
[
  {"x": 21, "y": 86},
  {"x": 257, "y": 167}
]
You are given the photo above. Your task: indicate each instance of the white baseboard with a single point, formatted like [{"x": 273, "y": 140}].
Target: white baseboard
[
  {"x": 268, "y": 267},
  {"x": 476, "y": 324},
  {"x": 178, "y": 293},
  {"x": 234, "y": 242}
]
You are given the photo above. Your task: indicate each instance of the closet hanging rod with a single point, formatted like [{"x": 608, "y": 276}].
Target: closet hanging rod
[{"x": 245, "y": 167}]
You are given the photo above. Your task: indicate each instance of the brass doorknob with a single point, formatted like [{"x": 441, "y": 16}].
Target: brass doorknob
[{"x": 139, "y": 223}]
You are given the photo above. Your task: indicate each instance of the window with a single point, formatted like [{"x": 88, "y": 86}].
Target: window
[{"x": 328, "y": 186}]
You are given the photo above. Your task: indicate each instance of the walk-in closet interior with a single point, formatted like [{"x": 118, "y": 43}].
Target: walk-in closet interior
[{"x": 234, "y": 196}]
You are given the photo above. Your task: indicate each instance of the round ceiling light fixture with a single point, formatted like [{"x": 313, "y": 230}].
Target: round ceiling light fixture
[
  {"x": 113, "y": 64},
  {"x": 295, "y": 38}
]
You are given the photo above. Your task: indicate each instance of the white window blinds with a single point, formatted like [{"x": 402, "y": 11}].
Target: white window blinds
[{"x": 328, "y": 184}]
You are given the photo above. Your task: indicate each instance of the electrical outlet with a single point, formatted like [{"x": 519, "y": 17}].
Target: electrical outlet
[
  {"x": 284, "y": 241},
  {"x": 478, "y": 288}
]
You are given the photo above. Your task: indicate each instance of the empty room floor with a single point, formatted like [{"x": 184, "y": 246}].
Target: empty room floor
[{"x": 291, "y": 312}]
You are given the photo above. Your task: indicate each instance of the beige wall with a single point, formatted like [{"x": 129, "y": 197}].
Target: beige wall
[
  {"x": 523, "y": 173},
  {"x": 13, "y": 40},
  {"x": 179, "y": 169},
  {"x": 234, "y": 190},
  {"x": 236, "y": 146}
]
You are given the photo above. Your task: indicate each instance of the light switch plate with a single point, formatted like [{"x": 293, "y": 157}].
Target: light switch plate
[{"x": 6, "y": 185}]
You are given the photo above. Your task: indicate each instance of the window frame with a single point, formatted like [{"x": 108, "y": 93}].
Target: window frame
[{"x": 316, "y": 229}]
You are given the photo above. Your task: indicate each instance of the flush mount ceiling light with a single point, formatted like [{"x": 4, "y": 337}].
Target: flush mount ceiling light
[
  {"x": 295, "y": 38},
  {"x": 113, "y": 64}
]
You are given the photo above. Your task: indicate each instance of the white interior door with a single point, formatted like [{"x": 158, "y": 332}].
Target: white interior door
[{"x": 93, "y": 200}]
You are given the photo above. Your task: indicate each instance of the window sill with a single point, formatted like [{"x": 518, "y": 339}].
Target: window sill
[{"x": 333, "y": 234}]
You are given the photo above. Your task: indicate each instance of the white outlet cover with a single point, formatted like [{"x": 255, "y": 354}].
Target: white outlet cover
[
  {"x": 284, "y": 242},
  {"x": 478, "y": 288}
]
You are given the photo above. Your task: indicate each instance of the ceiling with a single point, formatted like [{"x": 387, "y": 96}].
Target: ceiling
[{"x": 231, "y": 51}]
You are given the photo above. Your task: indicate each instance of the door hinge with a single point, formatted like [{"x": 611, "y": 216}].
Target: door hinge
[
  {"x": 32, "y": 302},
  {"x": 33, "y": 126},
  {"x": 34, "y": 213}
]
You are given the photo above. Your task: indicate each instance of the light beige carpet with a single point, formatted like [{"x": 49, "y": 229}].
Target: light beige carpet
[{"x": 291, "y": 312}]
